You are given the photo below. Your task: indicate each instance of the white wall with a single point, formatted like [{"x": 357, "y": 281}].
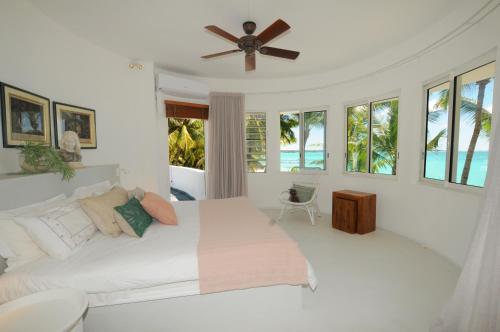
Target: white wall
[
  {"x": 442, "y": 219},
  {"x": 40, "y": 56},
  {"x": 189, "y": 180}
]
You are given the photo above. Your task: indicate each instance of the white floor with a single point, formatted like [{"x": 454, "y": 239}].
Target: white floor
[{"x": 373, "y": 282}]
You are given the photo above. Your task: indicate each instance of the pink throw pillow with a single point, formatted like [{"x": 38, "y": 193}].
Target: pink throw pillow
[{"x": 159, "y": 209}]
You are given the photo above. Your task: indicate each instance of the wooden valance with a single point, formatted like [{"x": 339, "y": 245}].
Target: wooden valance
[{"x": 179, "y": 109}]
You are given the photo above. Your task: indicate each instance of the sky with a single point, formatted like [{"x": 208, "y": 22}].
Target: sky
[
  {"x": 315, "y": 141},
  {"x": 466, "y": 128}
]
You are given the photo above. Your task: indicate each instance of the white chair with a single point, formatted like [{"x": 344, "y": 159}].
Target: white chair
[{"x": 311, "y": 206}]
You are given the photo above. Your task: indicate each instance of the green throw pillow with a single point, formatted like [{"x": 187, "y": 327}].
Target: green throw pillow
[
  {"x": 135, "y": 215},
  {"x": 303, "y": 193}
]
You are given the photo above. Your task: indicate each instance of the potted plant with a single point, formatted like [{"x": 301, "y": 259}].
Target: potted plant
[{"x": 39, "y": 158}]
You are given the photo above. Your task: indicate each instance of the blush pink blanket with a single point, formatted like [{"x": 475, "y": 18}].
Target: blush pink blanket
[{"x": 239, "y": 247}]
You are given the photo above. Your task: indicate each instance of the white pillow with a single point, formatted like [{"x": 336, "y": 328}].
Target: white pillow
[
  {"x": 59, "y": 231},
  {"x": 36, "y": 207},
  {"x": 92, "y": 190},
  {"x": 15, "y": 244}
]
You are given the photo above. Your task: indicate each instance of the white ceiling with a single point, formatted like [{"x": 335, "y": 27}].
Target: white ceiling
[{"x": 328, "y": 33}]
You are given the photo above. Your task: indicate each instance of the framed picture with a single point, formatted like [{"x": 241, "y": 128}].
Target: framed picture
[
  {"x": 78, "y": 119},
  {"x": 25, "y": 117}
]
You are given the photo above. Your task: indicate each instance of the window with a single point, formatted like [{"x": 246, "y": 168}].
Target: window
[
  {"x": 436, "y": 142},
  {"x": 255, "y": 124},
  {"x": 372, "y": 137},
  {"x": 457, "y": 141},
  {"x": 303, "y": 140}
]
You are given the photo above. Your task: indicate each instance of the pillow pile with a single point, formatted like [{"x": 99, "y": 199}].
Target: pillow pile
[
  {"x": 130, "y": 212},
  {"x": 135, "y": 216},
  {"x": 60, "y": 226}
]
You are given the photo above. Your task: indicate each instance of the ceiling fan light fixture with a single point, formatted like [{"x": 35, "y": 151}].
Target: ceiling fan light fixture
[{"x": 249, "y": 27}]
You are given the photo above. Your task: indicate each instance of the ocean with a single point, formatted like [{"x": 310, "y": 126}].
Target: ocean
[
  {"x": 435, "y": 165},
  {"x": 291, "y": 159}
]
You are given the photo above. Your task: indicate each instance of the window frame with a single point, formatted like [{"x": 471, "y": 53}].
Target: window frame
[
  {"x": 326, "y": 154},
  {"x": 369, "y": 101},
  {"x": 266, "y": 141},
  {"x": 450, "y": 77}
]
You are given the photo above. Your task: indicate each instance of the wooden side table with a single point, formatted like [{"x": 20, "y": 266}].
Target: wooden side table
[{"x": 354, "y": 211}]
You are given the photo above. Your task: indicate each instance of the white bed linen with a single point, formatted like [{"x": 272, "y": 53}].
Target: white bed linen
[{"x": 161, "y": 264}]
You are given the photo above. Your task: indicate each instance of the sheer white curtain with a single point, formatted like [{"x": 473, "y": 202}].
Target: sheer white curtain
[
  {"x": 475, "y": 304},
  {"x": 226, "y": 160}
]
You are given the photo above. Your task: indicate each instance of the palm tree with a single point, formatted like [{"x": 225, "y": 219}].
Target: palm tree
[
  {"x": 357, "y": 136},
  {"x": 478, "y": 122},
  {"x": 384, "y": 136},
  {"x": 186, "y": 143},
  {"x": 312, "y": 120},
  {"x": 473, "y": 111},
  {"x": 288, "y": 121}
]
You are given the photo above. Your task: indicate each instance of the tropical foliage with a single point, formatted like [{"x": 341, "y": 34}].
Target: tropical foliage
[
  {"x": 357, "y": 138},
  {"x": 288, "y": 121},
  {"x": 384, "y": 137},
  {"x": 186, "y": 143}
]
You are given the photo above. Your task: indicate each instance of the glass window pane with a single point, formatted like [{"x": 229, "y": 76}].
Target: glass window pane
[
  {"x": 384, "y": 136},
  {"x": 314, "y": 140},
  {"x": 472, "y": 125},
  {"x": 357, "y": 138},
  {"x": 437, "y": 132},
  {"x": 255, "y": 124},
  {"x": 290, "y": 141}
]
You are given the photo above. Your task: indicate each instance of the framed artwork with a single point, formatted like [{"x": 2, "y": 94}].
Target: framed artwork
[
  {"x": 25, "y": 117},
  {"x": 78, "y": 119}
]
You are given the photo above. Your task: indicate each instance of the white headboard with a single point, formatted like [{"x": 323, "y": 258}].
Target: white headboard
[{"x": 18, "y": 190}]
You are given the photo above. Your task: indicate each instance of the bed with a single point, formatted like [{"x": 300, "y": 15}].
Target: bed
[{"x": 125, "y": 276}]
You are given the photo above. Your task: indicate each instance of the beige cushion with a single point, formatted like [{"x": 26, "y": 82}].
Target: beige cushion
[
  {"x": 100, "y": 210},
  {"x": 124, "y": 225}
]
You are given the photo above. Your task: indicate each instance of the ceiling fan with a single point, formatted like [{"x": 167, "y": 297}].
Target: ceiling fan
[{"x": 250, "y": 43}]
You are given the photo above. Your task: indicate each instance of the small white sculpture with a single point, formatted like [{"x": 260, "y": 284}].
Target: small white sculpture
[{"x": 70, "y": 149}]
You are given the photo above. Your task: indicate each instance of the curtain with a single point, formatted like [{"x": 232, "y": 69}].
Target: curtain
[
  {"x": 226, "y": 166},
  {"x": 475, "y": 304}
]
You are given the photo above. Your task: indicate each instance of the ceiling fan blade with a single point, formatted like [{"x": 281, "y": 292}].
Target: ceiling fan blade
[
  {"x": 219, "y": 54},
  {"x": 222, "y": 33},
  {"x": 279, "y": 52},
  {"x": 273, "y": 31},
  {"x": 250, "y": 62}
]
